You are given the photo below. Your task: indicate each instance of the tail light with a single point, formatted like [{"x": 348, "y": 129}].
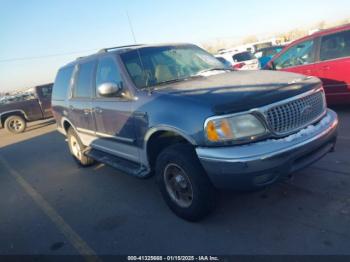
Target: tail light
[{"x": 238, "y": 66}]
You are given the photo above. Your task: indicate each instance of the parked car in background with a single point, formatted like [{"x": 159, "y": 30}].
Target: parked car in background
[
  {"x": 176, "y": 112},
  {"x": 241, "y": 60},
  {"x": 265, "y": 54},
  {"x": 16, "y": 111},
  {"x": 325, "y": 54}
]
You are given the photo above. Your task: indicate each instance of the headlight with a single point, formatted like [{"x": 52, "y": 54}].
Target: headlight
[{"x": 238, "y": 127}]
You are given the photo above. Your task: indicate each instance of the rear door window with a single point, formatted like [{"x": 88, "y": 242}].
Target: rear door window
[
  {"x": 84, "y": 80},
  {"x": 62, "y": 83},
  {"x": 335, "y": 46}
]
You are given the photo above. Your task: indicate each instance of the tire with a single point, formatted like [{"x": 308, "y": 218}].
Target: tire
[
  {"x": 183, "y": 183},
  {"x": 76, "y": 148},
  {"x": 15, "y": 124}
]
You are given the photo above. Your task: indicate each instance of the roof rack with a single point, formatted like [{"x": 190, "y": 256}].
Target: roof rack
[{"x": 105, "y": 50}]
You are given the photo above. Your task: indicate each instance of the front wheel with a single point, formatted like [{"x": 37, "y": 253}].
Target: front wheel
[
  {"x": 15, "y": 124},
  {"x": 183, "y": 183}
]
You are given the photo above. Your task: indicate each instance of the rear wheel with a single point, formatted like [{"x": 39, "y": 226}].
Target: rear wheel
[
  {"x": 15, "y": 124},
  {"x": 76, "y": 148},
  {"x": 183, "y": 183}
]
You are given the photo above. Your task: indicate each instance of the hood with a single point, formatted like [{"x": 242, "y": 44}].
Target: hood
[{"x": 241, "y": 90}]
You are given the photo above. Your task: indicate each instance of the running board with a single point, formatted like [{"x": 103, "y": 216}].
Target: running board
[{"x": 126, "y": 166}]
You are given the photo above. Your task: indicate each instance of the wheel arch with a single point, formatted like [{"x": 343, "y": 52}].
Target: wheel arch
[
  {"x": 66, "y": 124},
  {"x": 160, "y": 137},
  {"x": 6, "y": 114}
]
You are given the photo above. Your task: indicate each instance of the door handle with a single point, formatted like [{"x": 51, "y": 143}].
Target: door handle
[
  {"x": 87, "y": 111},
  {"x": 325, "y": 67}
]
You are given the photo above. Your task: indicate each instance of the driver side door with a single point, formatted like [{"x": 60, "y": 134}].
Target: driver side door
[{"x": 113, "y": 115}]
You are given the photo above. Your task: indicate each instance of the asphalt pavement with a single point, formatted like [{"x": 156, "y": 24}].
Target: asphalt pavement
[{"x": 49, "y": 205}]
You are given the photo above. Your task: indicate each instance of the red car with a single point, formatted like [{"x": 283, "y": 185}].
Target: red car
[{"x": 324, "y": 54}]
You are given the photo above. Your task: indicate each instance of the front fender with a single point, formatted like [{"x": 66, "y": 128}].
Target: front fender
[{"x": 176, "y": 130}]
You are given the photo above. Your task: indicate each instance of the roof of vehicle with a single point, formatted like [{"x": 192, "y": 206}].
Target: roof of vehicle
[
  {"x": 125, "y": 48},
  {"x": 322, "y": 32}
]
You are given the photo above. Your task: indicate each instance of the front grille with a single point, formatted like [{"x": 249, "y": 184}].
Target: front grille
[{"x": 296, "y": 114}]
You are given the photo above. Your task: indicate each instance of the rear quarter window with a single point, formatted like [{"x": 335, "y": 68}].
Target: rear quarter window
[{"x": 62, "y": 83}]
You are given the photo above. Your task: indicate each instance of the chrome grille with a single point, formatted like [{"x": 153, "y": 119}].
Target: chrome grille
[{"x": 296, "y": 114}]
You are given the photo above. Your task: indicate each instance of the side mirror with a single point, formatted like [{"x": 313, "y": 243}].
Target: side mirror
[{"x": 109, "y": 89}]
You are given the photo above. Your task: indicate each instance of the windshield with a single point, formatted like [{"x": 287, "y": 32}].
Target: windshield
[
  {"x": 243, "y": 57},
  {"x": 151, "y": 66}
]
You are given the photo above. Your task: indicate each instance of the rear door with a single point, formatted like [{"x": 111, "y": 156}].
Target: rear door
[
  {"x": 80, "y": 102},
  {"x": 334, "y": 66},
  {"x": 299, "y": 58}
]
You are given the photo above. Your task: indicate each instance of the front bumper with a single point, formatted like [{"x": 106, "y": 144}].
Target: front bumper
[{"x": 262, "y": 163}]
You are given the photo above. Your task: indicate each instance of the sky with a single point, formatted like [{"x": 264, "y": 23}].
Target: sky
[{"x": 65, "y": 29}]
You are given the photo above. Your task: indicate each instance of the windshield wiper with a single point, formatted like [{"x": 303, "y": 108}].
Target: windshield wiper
[
  {"x": 171, "y": 81},
  {"x": 191, "y": 76}
]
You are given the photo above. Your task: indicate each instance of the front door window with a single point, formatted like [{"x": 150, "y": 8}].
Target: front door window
[
  {"x": 300, "y": 54},
  {"x": 107, "y": 72}
]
